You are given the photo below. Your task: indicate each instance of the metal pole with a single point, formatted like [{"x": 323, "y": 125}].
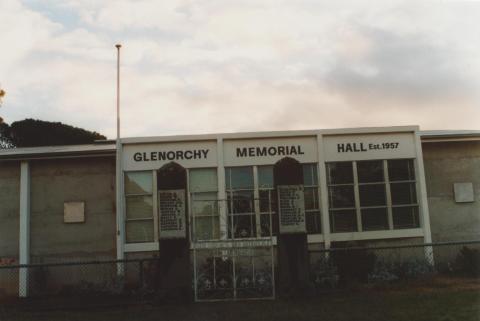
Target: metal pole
[{"x": 118, "y": 178}]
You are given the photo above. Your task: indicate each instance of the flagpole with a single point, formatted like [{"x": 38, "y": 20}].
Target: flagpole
[{"x": 118, "y": 178}]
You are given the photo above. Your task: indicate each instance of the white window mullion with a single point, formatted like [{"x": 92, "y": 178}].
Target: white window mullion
[
  {"x": 256, "y": 202},
  {"x": 357, "y": 197},
  {"x": 388, "y": 193},
  {"x": 156, "y": 219}
]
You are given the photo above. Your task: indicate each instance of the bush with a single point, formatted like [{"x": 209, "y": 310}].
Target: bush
[
  {"x": 353, "y": 265},
  {"x": 467, "y": 262}
]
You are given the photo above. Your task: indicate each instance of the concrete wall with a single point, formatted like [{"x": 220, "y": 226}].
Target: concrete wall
[
  {"x": 53, "y": 182},
  {"x": 9, "y": 225},
  {"x": 447, "y": 163},
  {"x": 9, "y": 208}
]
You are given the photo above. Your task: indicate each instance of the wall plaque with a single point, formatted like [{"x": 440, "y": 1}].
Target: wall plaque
[
  {"x": 171, "y": 208},
  {"x": 291, "y": 207}
]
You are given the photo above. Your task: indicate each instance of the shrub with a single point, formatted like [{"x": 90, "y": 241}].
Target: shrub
[{"x": 467, "y": 262}]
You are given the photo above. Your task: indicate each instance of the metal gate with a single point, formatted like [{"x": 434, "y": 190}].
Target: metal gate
[{"x": 229, "y": 268}]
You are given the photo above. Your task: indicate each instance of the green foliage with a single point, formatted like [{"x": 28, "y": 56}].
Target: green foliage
[
  {"x": 31, "y": 133},
  {"x": 353, "y": 264},
  {"x": 468, "y": 262}
]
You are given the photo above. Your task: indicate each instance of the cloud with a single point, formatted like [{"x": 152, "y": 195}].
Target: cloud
[{"x": 214, "y": 66}]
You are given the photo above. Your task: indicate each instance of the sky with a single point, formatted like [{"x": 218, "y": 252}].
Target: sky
[{"x": 190, "y": 67}]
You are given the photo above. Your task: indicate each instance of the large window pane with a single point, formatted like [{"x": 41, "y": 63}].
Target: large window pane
[
  {"x": 311, "y": 198},
  {"x": 206, "y": 228},
  {"x": 405, "y": 217},
  {"x": 203, "y": 180},
  {"x": 340, "y": 173},
  {"x": 341, "y": 196},
  {"x": 265, "y": 224},
  {"x": 403, "y": 193},
  {"x": 372, "y": 195},
  {"x": 310, "y": 177},
  {"x": 138, "y": 183},
  {"x": 268, "y": 201},
  {"x": 240, "y": 202},
  {"x": 139, "y": 231},
  {"x": 343, "y": 221},
  {"x": 265, "y": 176},
  {"x": 139, "y": 207},
  {"x": 242, "y": 226},
  {"x": 313, "y": 222},
  {"x": 204, "y": 204},
  {"x": 239, "y": 178},
  {"x": 374, "y": 219},
  {"x": 401, "y": 170},
  {"x": 370, "y": 171}
]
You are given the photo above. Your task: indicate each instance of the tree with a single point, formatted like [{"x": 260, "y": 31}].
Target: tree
[
  {"x": 5, "y": 141},
  {"x": 32, "y": 132}
]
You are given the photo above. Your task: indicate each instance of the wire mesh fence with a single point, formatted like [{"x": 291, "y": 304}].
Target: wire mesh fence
[
  {"x": 241, "y": 273},
  {"x": 346, "y": 265}
]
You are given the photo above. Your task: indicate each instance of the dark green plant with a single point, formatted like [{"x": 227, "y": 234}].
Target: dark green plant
[{"x": 467, "y": 262}]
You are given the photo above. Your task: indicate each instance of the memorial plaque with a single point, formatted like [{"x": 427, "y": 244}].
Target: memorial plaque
[
  {"x": 171, "y": 207},
  {"x": 291, "y": 206}
]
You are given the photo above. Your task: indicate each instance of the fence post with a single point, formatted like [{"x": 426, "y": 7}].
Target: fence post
[{"x": 140, "y": 266}]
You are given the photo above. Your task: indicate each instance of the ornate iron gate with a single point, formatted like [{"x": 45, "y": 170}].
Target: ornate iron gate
[{"x": 230, "y": 269}]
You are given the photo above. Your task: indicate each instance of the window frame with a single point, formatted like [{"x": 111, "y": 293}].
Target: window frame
[
  {"x": 387, "y": 183},
  {"x": 191, "y": 199},
  {"x": 153, "y": 218}
]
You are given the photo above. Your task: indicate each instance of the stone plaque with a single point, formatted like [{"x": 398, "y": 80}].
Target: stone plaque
[
  {"x": 291, "y": 207},
  {"x": 171, "y": 208}
]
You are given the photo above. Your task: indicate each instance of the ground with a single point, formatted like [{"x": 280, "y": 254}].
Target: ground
[{"x": 442, "y": 300}]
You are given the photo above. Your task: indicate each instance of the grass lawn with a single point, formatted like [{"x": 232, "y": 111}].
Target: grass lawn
[{"x": 439, "y": 300}]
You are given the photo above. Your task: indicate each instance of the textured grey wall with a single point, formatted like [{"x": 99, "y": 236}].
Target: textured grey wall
[
  {"x": 447, "y": 163},
  {"x": 9, "y": 208},
  {"x": 54, "y": 182}
]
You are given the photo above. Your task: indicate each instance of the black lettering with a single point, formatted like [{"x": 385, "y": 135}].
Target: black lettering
[
  {"x": 188, "y": 154},
  {"x": 137, "y": 157},
  {"x": 145, "y": 158},
  {"x": 205, "y": 152},
  {"x": 162, "y": 156},
  {"x": 300, "y": 151},
  {"x": 171, "y": 155},
  {"x": 179, "y": 154},
  {"x": 340, "y": 148},
  {"x": 272, "y": 151},
  {"x": 153, "y": 156},
  {"x": 362, "y": 148},
  {"x": 293, "y": 150},
  {"x": 261, "y": 151},
  {"x": 281, "y": 150},
  {"x": 197, "y": 154},
  {"x": 251, "y": 151},
  {"x": 348, "y": 148},
  {"x": 241, "y": 152}
]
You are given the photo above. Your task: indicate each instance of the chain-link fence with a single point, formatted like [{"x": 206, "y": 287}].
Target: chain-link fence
[
  {"x": 242, "y": 272},
  {"x": 349, "y": 264}
]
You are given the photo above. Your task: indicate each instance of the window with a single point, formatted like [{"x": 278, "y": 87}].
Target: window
[
  {"x": 312, "y": 203},
  {"x": 240, "y": 202},
  {"x": 401, "y": 174},
  {"x": 139, "y": 223},
  {"x": 252, "y": 201},
  {"x": 372, "y": 195},
  {"x": 267, "y": 201},
  {"x": 341, "y": 197},
  {"x": 203, "y": 196}
]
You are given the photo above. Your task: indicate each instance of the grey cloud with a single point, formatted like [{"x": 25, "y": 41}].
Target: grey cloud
[{"x": 404, "y": 68}]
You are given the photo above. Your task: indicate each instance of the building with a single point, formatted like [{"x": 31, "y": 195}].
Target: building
[{"x": 276, "y": 193}]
